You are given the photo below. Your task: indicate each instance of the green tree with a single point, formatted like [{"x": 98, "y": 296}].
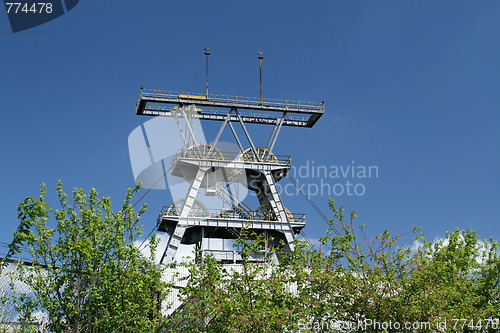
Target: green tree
[
  {"x": 377, "y": 281},
  {"x": 254, "y": 297},
  {"x": 353, "y": 283},
  {"x": 87, "y": 275}
]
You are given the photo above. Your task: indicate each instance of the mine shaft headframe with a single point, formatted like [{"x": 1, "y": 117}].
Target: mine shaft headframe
[{"x": 219, "y": 107}]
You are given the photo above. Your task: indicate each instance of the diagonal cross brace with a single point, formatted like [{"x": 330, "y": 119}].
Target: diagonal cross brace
[{"x": 175, "y": 240}]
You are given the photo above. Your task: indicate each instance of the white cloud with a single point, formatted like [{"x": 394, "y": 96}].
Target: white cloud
[
  {"x": 482, "y": 246},
  {"x": 416, "y": 245}
]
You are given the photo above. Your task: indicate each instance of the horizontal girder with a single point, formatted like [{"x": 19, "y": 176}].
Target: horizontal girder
[{"x": 214, "y": 107}]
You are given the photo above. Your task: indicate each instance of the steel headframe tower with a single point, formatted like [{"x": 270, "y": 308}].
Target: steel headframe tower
[{"x": 204, "y": 166}]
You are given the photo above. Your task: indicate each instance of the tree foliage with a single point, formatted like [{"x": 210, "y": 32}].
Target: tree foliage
[
  {"x": 87, "y": 275},
  {"x": 351, "y": 284}
]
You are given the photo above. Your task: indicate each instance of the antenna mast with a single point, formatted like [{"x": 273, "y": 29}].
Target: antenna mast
[
  {"x": 207, "y": 53},
  {"x": 261, "y": 56}
]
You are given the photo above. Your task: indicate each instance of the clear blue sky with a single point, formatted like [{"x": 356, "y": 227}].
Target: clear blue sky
[{"x": 411, "y": 87}]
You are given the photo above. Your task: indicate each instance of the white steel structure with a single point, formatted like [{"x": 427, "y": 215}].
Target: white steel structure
[{"x": 203, "y": 166}]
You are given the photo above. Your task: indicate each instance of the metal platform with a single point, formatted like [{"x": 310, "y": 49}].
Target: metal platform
[
  {"x": 216, "y": 219},
  {"x": 217, "y": 223},
  {"x": 230, "y": 161},
  {"x": 215, "y": 107}
]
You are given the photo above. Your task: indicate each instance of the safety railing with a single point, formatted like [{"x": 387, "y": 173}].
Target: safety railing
[
  {"x": 205, "y": 153},
  {"x": 233, "y": 255},
  {"x": 296, "y": 218},
  {"x": 242, "y": 100}
]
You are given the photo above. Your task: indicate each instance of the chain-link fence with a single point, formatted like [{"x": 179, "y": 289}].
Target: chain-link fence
[
  {"x": 10, "y": 316},
  {"x": 10, "y": 288}
]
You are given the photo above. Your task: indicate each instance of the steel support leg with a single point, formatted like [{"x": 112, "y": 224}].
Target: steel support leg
[
  {"x": 175, "y": 240},
  {"x": 279, "y": 210}
]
